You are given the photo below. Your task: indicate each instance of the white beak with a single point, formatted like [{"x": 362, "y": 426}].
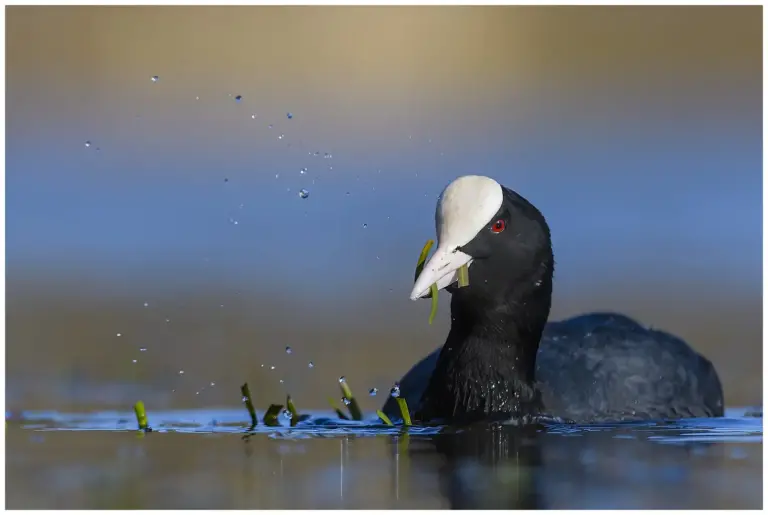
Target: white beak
[{"x": 441, "y": 269}]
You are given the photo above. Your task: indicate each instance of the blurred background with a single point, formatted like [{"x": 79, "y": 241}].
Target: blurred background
[{"x": 158, "y": 244}]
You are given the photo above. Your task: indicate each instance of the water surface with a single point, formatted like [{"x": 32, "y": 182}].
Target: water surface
[{"x": 200, "y": 459}]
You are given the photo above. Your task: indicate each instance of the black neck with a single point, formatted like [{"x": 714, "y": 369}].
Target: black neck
[{"x": 486, "y": 367}]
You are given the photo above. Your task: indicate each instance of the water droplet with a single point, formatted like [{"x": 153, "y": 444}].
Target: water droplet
[
  {"x": 395, "y": 391},
  {"x": 346, "y": 401},
  {"x": 303, "y": 171},
  {"x": 303, "y": 193},
  {"x": 289, "y": 115},
  {"x": 197, "y": 392},
  {"x": 143, "y": 349},
  {"x": 181, "y": 372},
  {"x": 119, "y": 334},
  {"x": 244, "y": 399},
  {"x": 238, "y": 98},
  {"x": 167, "y": 320},
  {"x": 287, "y": 414},
  {"x": 87, "y": 144},
  {"x": 342, "y": 379},
  {"x": 373, "y": 391},
  {"x": 270, "y": 126},
  {"x": 281, "y": 136},
  {"x": 281, "y": 381},
  {"x": 213, "y": 383},
  {"x": 311, "y": 365},
  {"x": 155, "y": 78},
  {"x": 254, "y": 116},
  {"x": 288, "y": 350},
  {"x": 134, "y": 361},
  {"x": 317, "y": 153},
  {"x": 365, "y": 226},
  {"x": 277, "y": 176},
  {"x": 262, "y": 365},
  {"x": 272, "y": 367},
  {"x": 146, "y": 304},
  {"x": 197, "y": 98}
]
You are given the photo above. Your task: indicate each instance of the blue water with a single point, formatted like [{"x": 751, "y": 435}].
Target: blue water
[
  {"x": 734, "y": 427},
  {"x": 206, "y": 459}
]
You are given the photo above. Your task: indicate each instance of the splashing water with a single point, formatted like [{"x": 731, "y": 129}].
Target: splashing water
[{"x": 395, "y": 391}]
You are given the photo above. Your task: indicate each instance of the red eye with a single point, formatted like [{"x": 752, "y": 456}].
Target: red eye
[{"x": 498, "y": 226}]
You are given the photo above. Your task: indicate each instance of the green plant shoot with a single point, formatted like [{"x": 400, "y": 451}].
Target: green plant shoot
[
  {"x": 404, "y": 410},
  {"x": 272, "y": 414},
  {"x": 339, "y": 413},
  {"x": 354, "y": 408},
  {"x": 141, "y": 416},
  {"x": 384, "y": 418},
  {"x": 294, "y": 413},
  {"x": 246, "y": 391}
]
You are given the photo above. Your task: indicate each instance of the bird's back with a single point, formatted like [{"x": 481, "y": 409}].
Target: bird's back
[{"x": 607, "y": 367}]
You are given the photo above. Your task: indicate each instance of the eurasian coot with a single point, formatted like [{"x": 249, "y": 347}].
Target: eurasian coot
[{"x": 502, "y": 360}]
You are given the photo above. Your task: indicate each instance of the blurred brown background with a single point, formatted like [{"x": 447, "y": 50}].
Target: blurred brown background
[{"x": 636, "y": 130}]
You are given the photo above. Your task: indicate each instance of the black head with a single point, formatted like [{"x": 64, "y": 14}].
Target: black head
[
  {"x": 503, "y": 238},
  {"x": 511, "y": 259}
]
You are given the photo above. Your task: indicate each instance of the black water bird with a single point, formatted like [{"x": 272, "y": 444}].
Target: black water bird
[{"x": 503, "y": 361}]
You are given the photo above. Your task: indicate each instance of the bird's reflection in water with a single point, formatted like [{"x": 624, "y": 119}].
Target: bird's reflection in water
[
  {"x": 535, "y": 467},
  {"x": 485, "y": 466}
]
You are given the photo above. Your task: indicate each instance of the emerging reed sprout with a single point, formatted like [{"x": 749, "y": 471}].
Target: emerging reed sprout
[
  {"x": 271, "y": 415},
  {"x": 246, "y": 393},
  {"x": 354, "y": 408},
  {"x": 404, "y": 411},
  {"x": 141, "y": 417}
]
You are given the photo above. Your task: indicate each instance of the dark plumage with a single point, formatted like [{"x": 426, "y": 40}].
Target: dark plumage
[{"x": 502, "y": 360}]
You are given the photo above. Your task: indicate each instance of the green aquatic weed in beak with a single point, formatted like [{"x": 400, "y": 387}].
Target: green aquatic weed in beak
[
  {"x": 423, "y": 258},
  {"x": 463, "y": 278},
  {"x": 432, "y": 289}
]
